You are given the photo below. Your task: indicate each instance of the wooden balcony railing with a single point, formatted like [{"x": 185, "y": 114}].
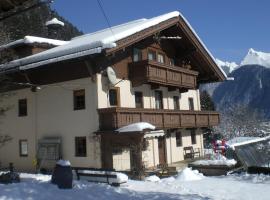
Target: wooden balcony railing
[
  {"x": 116, "y": 117},
  {"x": 152, "y": 72}
]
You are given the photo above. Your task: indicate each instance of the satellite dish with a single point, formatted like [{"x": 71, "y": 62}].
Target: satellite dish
[{"x": 111, "y": 75}]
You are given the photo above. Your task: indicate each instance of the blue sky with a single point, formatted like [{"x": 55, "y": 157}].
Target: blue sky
[{"x": 228, "y": 28}]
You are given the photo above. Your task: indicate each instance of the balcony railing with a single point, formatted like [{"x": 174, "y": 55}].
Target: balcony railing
[
  {"x": 152, "y": 72},
  {"x": 116, "y": 117}
]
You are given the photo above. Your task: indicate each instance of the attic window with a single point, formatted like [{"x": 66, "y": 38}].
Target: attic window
[
  {"x": 152, "y": 55},
  {"x": 137, "y": 55},
  {"x": 79, "y": 99}
]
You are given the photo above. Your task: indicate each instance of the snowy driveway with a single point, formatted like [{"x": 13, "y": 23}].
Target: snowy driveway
[{"x": 234, "y": 187}]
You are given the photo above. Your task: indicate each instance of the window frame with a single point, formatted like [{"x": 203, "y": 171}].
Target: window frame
[
  {"x": 142, "y": 103},
  {"x": 154, "y": 53},
  {"x": 76, "y": 106},
  {"x": 179, "y": 139},
  {"x": 161, "y": 105},
  {"x": 21, "y": 141},
  {"x": 176, "y": 102},
  {"x": 117, "y": 89},
  {"x": 140, "y": 54},
  {"x": 22, "y": 111},
  {"x": 77, "y": 151},
  {"x": 191, "y": 103},
  {"x": 163, "y": 55},
  {"x": 193, "y": 137}
]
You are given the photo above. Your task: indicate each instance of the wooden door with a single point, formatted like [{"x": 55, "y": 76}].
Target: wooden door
[{"x": 162, "y": 150}]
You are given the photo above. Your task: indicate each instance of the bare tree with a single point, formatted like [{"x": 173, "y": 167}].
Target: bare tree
[{"x": 240, "y": 120}]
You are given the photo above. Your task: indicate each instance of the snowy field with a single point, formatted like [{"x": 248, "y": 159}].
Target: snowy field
[{"x": 188, "y": 185}]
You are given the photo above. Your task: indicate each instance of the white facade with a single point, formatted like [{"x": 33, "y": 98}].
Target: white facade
[{"x": 50, "y": 113}]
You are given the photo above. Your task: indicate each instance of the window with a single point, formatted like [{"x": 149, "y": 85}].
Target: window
[
  {"x": 80, "y": 146},
  {"x": 137, "y": 54},
  {"x": 178, "y": 136},
  {"x": 22, "y": 107},
  {"x": 114, "y": 97},
  {"x": 139, "y": 99},
  {"x": 176, "y": 104},
  {"x": 152, "y": 55},
  {"x": 158, "y": 99},
  {"x": 191, "y": 103},
  {"x": 79, "y": 99},
  {"x": 172, "y": 62},
  {"x": 23, "y": 146},
  {"x": 161, "y": 58},
  {"x": 193, "y": 137}
]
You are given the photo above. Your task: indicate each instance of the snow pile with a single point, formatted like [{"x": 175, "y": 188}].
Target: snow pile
[
  {"x": 136, "y": 127},
  {"x": 218, "y": 160},
  {"x": 231, "y": 65},
  {"x": 153, "y": 178},
  {"x": 189, "y": 175},
  {"x": 55, "y": 21},
  {"x": 257, "y": 58},
  {"x": 63, "y": 163},
  {"x": 32, "y": 40}
]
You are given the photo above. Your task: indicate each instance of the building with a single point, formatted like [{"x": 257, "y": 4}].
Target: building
[{"x": 62, "y": 103}]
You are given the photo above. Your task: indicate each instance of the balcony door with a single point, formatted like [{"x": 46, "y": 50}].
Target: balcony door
[
  {"x": 162, "y": 150},
  {"x": 158, "y": 99}
]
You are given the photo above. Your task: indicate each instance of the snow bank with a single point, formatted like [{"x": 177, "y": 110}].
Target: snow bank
[
  {"x": 64, "y": 163},
  {"x": 136, "y": 127},
  {"x": 189, "y": 175},
  {"x": 153, "y": 178},
  {"x": 221, "y": 161}
]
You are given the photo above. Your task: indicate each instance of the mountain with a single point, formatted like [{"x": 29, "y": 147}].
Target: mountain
[
  {"x": 228, "y": 67},
  {"x": 251, "y": 84},
  {"x": 256, "y": 58}
]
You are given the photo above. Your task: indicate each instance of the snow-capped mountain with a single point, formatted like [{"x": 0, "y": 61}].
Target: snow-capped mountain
[
  {"x": 256, "y": 58},
  {"x": 251, "y": 83},
  {"x": 252, "y": 58},
  {"x": 228, "y": 67}
]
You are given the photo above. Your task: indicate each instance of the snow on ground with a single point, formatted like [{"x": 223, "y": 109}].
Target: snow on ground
[
  {"x": 217, "y": 159},
  {"x": 232, "y": 187}
]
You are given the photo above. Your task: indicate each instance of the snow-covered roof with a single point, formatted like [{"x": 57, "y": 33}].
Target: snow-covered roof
[
  {"x": 248, "y": 141},
  {"x": 55, "y": 21},
  {"x": 95, "y": 42},
  {"x": 33, "y": 40},
  {"x": 136, "y": 127}
]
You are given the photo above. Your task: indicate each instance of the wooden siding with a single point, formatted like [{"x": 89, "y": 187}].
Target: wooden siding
[
  {"x": 115, "y": 117},
  {"x": 146, "y": 71}
]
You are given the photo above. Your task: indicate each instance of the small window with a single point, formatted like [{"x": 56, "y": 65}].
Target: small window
[
  {"x": 22, "y": 107},
  {"x": 23, "y": 146},
  {"x": 139, "y": 99},
  {"x": 161, "y": 58},
  {"x": 191, "y": 103},
  {"x": 172, "y": 62},
  {"x": 152, "y": 55},
  {"x": 176, "y": 103},
  {"x": 80, "y": 146},
  {"x": 178, "y": 136},
  {"x": 137, "y": 55},
  {"x": 114, "y": 97},
  {"x": 79, "y": 99},
  {"x": 158, "y": 99},
  {"x": 193, "y": 137}
]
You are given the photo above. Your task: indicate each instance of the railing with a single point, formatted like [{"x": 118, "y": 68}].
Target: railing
[
  {"x": 147, "y": 71},
  {"x": 116, "y": 117}
]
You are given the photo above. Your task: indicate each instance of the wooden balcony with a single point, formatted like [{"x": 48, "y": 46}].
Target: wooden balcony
[
  {"x": 152, "y": 72},
  {"x": 116, "y": 117}
]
